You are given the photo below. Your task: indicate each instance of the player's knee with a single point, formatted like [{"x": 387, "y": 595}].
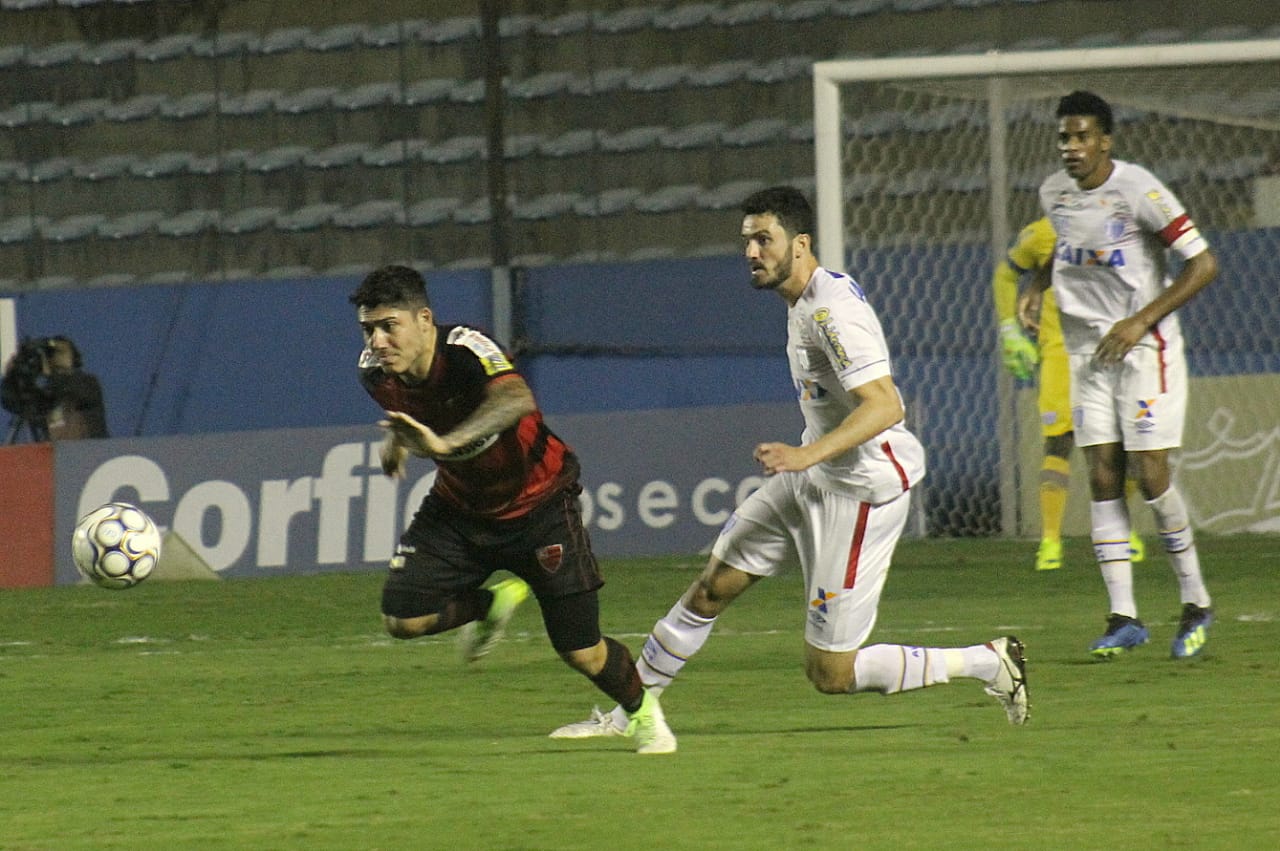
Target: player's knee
[{"x": 828, "y": 679}]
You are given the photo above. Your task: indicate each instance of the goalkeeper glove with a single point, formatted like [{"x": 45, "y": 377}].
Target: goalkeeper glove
[{"x": 1020, "y": 354}]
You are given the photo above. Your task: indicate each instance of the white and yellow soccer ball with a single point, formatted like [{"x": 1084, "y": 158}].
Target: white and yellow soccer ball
[{"x": 116, "y": 546}]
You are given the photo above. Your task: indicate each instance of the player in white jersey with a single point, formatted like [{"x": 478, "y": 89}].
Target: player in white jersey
[
  {"x": 1116, "y": 225},
  {"x": 837, "y": 503}
]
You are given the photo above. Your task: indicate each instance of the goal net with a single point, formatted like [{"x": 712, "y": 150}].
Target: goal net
[{"x": 925, "y": 168}]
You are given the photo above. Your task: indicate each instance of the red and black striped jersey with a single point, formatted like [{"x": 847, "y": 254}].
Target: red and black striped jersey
[{"x": 501, "y": 476}]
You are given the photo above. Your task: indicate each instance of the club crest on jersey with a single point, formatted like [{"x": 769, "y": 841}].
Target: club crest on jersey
[
  {"x": 550, "y": 557},
  {"x": 1115, "y": 227},
  {"x": 822, "y": 316},
  {"x": 1076, "y": 256}
]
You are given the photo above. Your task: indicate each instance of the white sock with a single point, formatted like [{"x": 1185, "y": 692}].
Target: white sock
[
  {"x": 676, "y": 637},
  {"x": 1111, "y": 549},
  {"x": 891, "y": 668},
  {"x": 1174, "y": 524}
]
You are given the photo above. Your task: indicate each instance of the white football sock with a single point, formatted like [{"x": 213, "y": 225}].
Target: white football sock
[
  {"x": 1110, "y": 534},
  {"x": 1174, "y": 524},
  {"x": 891, "y": 668},
  {"x": 676, "y": 637}
]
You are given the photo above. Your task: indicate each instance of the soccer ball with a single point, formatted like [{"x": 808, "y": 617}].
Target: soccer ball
[{"x": 116, "y": 546}]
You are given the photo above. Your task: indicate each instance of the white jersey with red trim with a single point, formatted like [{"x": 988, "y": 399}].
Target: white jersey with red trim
[
  {"x": 834, "y": 344},
  {"x": 1111, "y": 258}
]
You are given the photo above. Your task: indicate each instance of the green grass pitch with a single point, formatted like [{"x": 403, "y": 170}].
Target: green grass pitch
[{"x": 274, "y": 714}]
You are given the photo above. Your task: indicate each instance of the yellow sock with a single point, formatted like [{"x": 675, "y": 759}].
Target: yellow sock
[{"x": 1054, "y": 475}]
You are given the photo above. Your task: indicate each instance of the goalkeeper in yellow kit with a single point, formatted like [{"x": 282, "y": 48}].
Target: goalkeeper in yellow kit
[{"x": 1034, "y": 250}]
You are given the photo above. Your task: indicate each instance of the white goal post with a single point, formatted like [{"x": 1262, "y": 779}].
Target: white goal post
[{"x": 897, "y": 139}]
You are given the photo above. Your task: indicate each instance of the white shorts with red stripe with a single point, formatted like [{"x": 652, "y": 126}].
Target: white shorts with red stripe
[
  {"x": 1140, "y": 402},
  {"x": 843, "y": 546}
]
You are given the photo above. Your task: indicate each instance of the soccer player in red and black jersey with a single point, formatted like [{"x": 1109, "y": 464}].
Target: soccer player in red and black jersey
[{"x": 505, "y": 496}]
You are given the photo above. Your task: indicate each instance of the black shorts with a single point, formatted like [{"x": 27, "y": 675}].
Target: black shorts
[{"x": 444, "y": 552}]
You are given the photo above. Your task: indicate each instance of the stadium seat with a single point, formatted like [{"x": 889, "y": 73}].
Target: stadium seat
[
  {"x": 12, "y": 55},
  {"x": 310, "y": 217},
  {"x": 54, "y": 168},
  {"x": 549, "y": 206},
  {"x": 591, "y": 256},
  {"x": 728, "y": 195},
  {"x": 659, "y": 79},
  {"x": 701, "y": 134},
  {"x": 1160, "y": 35},
  {"x": 568, "y": 23},
  {"x": 467, "y": 91},
  {"x": 917, "y": 5},
  {"x": 432, "y": 211},
  {"x": 545, "y": 84},
  {"x": 104, "y": 168},
  {"x": 78, "y": 112},
  {"x": 189, "y": 223},
  {"x": 1226, "y": 32},
  {"x": 600, "y": 82},
  {"x": 17, "y": 229},
  {"x": 304, "y": 101},
  {"x": 167, "y": 47},
  {"x": 393, "y": 153},
  {"x": 13, "y": 170},
  {"x": 522, "y": 145},
  {"x": 337, "y": 156},
  {"x": 107, "y": 52},
  {"x": 532, "y": 260},
  {"x": 805, "y": 10},
  {"x": 23, "y": 5},
  {"x": 858, "y": 8},
  {"x": 633, "y": 139},
  {"x": 54, "y": 282},
  {"x": 136, "y": 108},
  {"x": 284, "y": 40},
  {"x": 337, "y": 37},
  {"x": 248, "y": 220},
  {"x": 370, "y": 214},
  {"x": 72, "y": 228},
  {"x": 719, "y": 73},
  {"x": 254, "y": 102},
  {"x": 450, "y": 30},
  {"x": 1035, "y": 42},
  {"x": 454, "y": 150},
  {"x": 747, "y": 12},
  {"x": 348, "y": 270},
  {"x": 393, "y": 33},
  {"x": 648, "y": 253},
  {"x": 684, "y": 17},
  {"x": 430, "y": 90},
  {"x": 163, "y": 164},
  {"x": 1107, "y": 38},
  {"x": 276, "y": 159},
  {"x": 570, "y": 144},
  {"x": 24, "y": 114},
  {"x": 130, "y": 225},
  {"x": 224, "y": 44},
  {"x": 669, "y": 199},
  {"x": 56, "y": 54},
  {"x": 758, "y": 131},
  {"x": 781, "y": 70},
  {"x": 610, "y": 202},
  {"x": 194, "y": 105},
  {"x": 629, "y": 19},
  {"x": 367, "y": 96},
  {"x": 516, "y": 26},
  {"x": 472, "y": 213}
]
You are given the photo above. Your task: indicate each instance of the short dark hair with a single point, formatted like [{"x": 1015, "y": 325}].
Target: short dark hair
[
  {"x": 1086, "y": 103},
  {"x": 395, "y": 286},
  {"x": 787, "y": 203}
]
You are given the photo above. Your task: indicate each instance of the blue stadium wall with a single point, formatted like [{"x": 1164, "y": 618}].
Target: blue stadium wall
[{"x": 200, "y": 358}]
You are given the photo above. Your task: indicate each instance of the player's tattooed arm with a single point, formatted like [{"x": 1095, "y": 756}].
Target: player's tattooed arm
[{"x": 507, "y": 399}]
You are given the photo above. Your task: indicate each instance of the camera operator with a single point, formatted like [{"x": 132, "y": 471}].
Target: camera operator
[{"x": 46, "y": 390}]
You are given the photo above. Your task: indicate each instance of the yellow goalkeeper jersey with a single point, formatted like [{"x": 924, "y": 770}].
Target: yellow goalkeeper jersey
[{"x": 1032, "y": 250}]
